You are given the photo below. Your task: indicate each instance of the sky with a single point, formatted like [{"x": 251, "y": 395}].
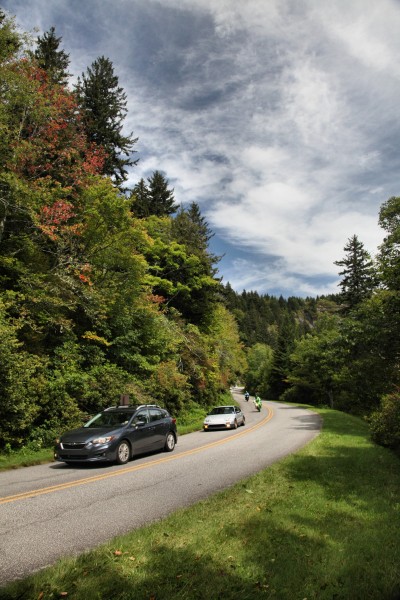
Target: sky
[{"x": 280, "y": 118}]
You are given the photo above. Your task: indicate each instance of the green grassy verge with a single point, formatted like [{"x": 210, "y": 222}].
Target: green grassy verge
[
  {"x": 321, "y": 524},
  {"x": 25, "y": 458}
]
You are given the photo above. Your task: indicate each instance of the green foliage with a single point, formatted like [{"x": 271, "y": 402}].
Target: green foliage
[
  {"x": 18, "y": 373},
  {"x": 389, "y": 256},
  {"x": 385, "y": 422},
  {"x": 260, "y": 363},
  {"x": 317, "y": 361}
]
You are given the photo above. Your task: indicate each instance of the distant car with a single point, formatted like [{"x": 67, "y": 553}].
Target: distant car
[
  {"x": 117, "y": 434},
  {"x": 224, "y": 417}
]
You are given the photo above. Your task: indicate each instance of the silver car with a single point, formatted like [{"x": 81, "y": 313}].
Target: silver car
[{"x": 224, "y": 417}]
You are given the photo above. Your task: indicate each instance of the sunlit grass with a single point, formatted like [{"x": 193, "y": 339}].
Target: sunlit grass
[
  {"x": 25, "y": 458},
  {"x": 323, "y": 523}
]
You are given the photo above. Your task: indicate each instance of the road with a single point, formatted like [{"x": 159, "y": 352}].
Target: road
[{"x": 54, "y": 510}]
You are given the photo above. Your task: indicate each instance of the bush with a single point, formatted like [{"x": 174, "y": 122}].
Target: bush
[{"x": 385, "y": 422}]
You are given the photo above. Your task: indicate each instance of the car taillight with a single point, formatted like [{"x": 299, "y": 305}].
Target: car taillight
[{"x": 174, "y": 421}]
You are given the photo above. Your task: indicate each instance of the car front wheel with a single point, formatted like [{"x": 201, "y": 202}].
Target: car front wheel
[
  {"x": 169, "y": 442},
  {"x": 123, "y": 453}
]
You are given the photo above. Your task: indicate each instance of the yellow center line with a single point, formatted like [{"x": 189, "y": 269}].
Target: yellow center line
[{"x": 94, "y": 478}]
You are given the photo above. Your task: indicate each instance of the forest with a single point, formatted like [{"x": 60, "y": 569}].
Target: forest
[{"x": 106, "y": 290}]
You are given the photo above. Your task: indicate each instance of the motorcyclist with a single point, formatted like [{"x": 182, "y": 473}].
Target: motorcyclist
[
  {"x": 246, "y": 396},
  {"x": 257, "y": 402}
]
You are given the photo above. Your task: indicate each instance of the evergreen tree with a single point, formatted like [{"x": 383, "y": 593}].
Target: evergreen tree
[
  {"x": 140, "y": 200},
  {"x": 358, "y": 273},
  {"x": 281, "y": 361},
  {"x": 51, "y": 59},
  {"x": 162, "y": 201},
  {"x": 191, "y": 229},
  {"x": 103, "y": 105}
]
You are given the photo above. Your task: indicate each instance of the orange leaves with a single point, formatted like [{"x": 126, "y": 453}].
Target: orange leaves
[
  {"x": 53, "y": 220},
  {"x": 51, "y": 141},
  {"x": 58, "y": 213}
]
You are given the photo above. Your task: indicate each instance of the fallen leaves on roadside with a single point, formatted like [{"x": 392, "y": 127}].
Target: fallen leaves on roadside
[{"x": 117, "y": 553}]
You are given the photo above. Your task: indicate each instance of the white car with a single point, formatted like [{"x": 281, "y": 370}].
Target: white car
[{"x": 224, "y": 417}]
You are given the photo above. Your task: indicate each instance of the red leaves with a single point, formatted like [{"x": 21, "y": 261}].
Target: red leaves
[
  {"x": 57, "y": 214},
  {"x": 53, "y": 220},
  {"x": 51, "y": 142}
]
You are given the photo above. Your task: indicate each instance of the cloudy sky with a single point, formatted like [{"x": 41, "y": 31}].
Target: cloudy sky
[{"x": 280, "y": 118}]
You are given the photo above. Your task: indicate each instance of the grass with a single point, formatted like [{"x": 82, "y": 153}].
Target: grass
[
  {"x": 321, "y": 524},
  {"x": 25, "y": 457}
]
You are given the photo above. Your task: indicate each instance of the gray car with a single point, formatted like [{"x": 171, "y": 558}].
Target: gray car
[
  {"x": 117, "y": 434},
  {"x": 224, "y": 417}
]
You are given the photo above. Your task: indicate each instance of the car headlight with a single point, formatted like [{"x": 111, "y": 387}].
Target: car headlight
[{"x": 103, "y": 440}]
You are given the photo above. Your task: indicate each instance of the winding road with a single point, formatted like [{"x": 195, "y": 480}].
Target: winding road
[{"x": 55, "y": 510}]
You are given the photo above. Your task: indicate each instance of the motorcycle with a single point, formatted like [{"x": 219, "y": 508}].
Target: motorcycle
[
  {"x": 247, "y": 396},
  {"x": 258, "y": 404}
]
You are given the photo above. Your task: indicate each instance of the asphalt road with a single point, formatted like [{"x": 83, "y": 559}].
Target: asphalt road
[{"x": 55, "y": 510}]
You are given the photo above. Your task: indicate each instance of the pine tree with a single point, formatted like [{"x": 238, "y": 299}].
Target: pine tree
[
  {"x": 103, "y": 104},
  {"x": 358, "y": 273},
  {"x": 51, "y": 59},
  {"x": 191, "y": 228},
  {"x": 161, "y": 197},
  {"x": 140, "y": 200}
]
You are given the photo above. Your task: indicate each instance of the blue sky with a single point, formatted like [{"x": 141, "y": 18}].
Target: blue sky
[{"x": 280, "y": 118}]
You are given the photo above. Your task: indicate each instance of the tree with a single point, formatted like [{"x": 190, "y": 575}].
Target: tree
[
  {"x": 317, "y": 360},
  {"x": 260, "y": 362},
  {"x": 190, "y": 228},
  {"x": 52, "y": 60},
  {"x": 140, "y": 200},
  {"x": 389, "y": 256},
  {"x": 161, "y": 197},
  {"x": 358, "y": 273},
  {"x": 284, "y": 345},
  {"x": 103, "y": 105}
]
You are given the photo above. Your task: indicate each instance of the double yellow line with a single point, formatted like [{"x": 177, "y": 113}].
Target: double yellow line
[{"x": 164, "y": 459}]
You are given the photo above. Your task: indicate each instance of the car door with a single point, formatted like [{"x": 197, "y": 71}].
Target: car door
[
  {"x": 142, "y": 432},
  {"x": 160, "y": 423},
  {"x": 239, "y": 415}
]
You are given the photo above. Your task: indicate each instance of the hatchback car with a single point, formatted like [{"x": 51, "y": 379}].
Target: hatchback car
[
  {"x": 117, "y": 434},
  {"x": 224, "y": 417}
]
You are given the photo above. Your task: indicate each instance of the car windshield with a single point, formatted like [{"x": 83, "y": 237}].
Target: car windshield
[
  {"x": 222, "y": 410},
  {"x": 109, "y": 419}
]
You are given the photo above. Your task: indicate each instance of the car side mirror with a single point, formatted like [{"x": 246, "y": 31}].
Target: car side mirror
[{"x": 140, "y": 422}]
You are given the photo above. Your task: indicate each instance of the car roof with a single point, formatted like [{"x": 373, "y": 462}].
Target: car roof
[{"x": 131, "y": 407}]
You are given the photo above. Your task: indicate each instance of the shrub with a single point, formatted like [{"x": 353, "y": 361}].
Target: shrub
[{"x": 385, "y": 422}]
